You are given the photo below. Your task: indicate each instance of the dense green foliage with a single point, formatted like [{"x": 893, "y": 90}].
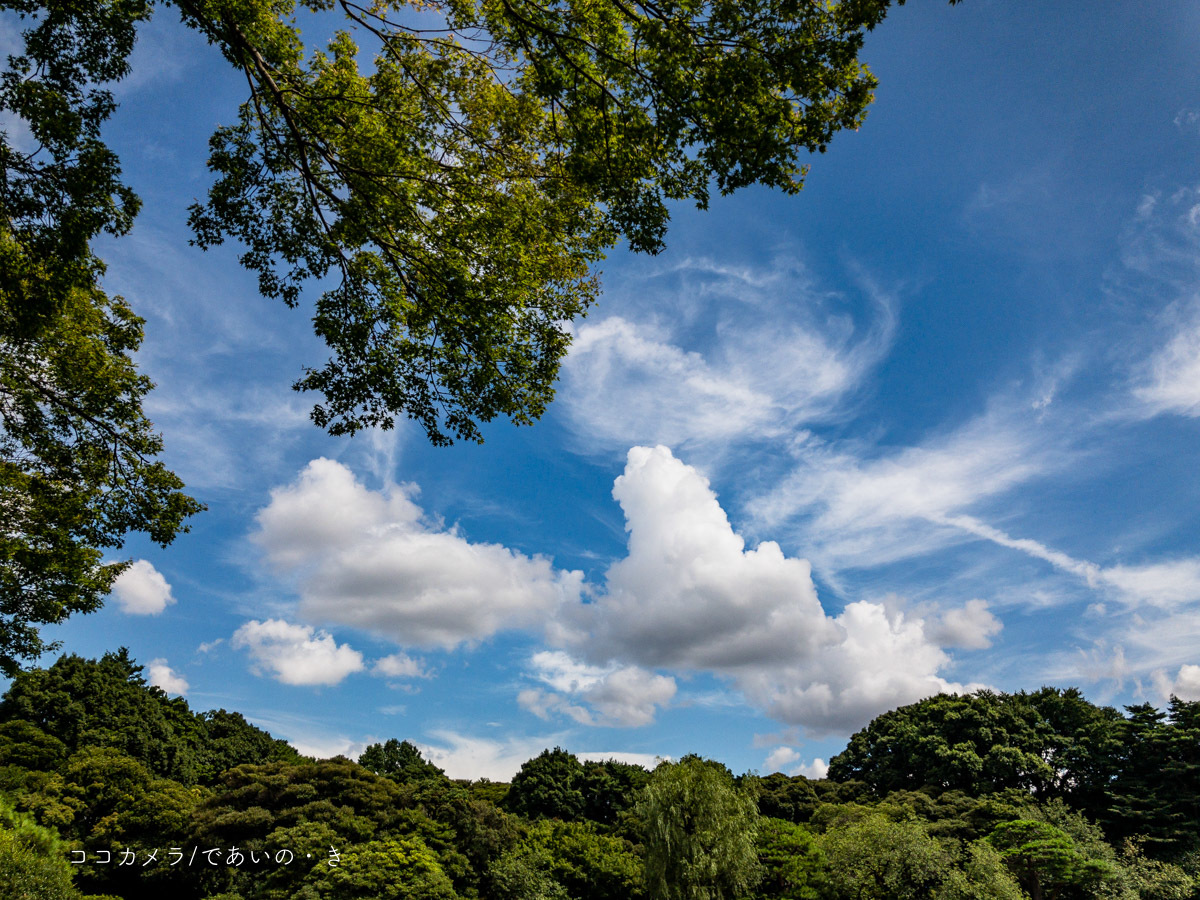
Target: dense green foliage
[
  {"x": 699, "y": 830},
  {"x": 77, "y": 454},
  {"x": 33, "y": 861},
  {"x": 455, "y": 179},
  {"x": 95, "y": 763},
  {"x": 1136, "y": 776}
]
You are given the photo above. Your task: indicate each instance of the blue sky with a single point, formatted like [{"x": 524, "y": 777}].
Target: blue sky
[{"x": 931, "y": 425}]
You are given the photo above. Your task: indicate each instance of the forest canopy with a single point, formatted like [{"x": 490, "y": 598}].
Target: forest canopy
[{"x": 97, "y": 767}]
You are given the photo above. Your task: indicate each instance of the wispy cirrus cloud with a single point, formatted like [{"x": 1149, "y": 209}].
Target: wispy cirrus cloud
[
  {"x": 1169, "y": 381},
  {"x": 779, "y": 353}
]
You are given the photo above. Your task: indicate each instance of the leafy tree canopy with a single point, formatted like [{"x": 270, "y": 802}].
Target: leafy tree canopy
[
  {"x": 1156, "y": 793},
  {"x": 548, "y": 786},
  {"x": 1046, "y": 860},
  {"x": 48, "y": 714},
  {"x": 107, "y": 703},
  {"x": 793, "y": 866},
  {"x": 699, "y": 832},
  {"x": 398, "y": 869},
  {"x": 33, "y": 861},
  {"x": 457, "y": 178},
  {"x": 1051, "y": 742},
  {"x": 400, "y": 761},
  {"x": 610, "y": 789},
  {"x": 872, "y": 857},
  {"x": 77, "y": 453},
  {"x": 589, "y": 865}
]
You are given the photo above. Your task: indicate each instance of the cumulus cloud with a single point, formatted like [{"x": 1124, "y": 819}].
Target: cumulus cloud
[
  {"x": 690, "y": 596},
  {"x": 141, "y": 590},
  {"x": 1185, "y": 684},
  {"x": 816, "y": 769},
  {"x": 972, "y": 626},
  {"x": 296, "y": 654},
  {"x": 163, "y": 676},
  {"x": 779, "y": 759},
  {"x": 399, "y": 665},
  {"x": 784, "y": 759},
  {"x": 608, "y": 695},
  {"x": 371, "y": 560}
]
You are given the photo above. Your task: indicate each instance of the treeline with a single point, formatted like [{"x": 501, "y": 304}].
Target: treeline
[{"x": 108, "y": 788}]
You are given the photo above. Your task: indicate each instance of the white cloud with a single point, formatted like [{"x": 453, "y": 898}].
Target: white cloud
[
  {"x": 544, "y": 704},
  {"x": 880, "y": 661},
  {"x": 141, "y": 590},
  {"x": 860, "y": 513},
  {"x": 327, "y": 746},
  {"x": 690, "y": 596},
  {"x": 770, "y": 363},
  {"x": 462, "y": 756},
  {"x": 369, "y": 559},
  {"x": 163, "y": 676},
  {"x": 816, "y": 769},
  {"x": 308, "y": 733},
  {"x": 971, "y": 626},
  {"x": 688, "y": 593},
  {"x": 1153, "y": 640},
  {"x": 783, "y": 759},
  {"x": 624, "y": 382},
  {"x": 1185, "y": 685},
  {"x": 645, "y": 760},
  {"x": 296, "y": 654},
  {"x": 399, "y": 665},
  {"x": 1104, "y": 663},
  {"x": 1170, "y": 381},
  {"x": 866, "y": 511},
  {"x": 1188, "y": 120},
  {"x": 626, "y": 696},
  {"x": 779, "y": 759},
  {"x": 1170, "y": 584}
]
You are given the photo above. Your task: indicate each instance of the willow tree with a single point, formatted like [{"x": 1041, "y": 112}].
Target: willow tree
[
  {"x": 698, "y": 830},
  {"x": 448, "y": 173}
]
